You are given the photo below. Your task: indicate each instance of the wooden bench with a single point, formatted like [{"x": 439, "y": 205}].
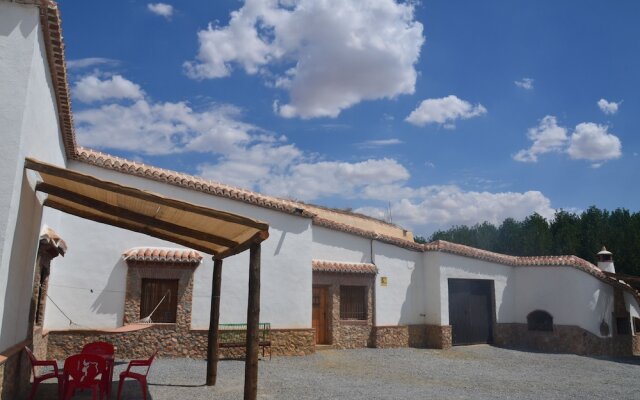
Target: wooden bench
[{"x": 235, "y": 335}]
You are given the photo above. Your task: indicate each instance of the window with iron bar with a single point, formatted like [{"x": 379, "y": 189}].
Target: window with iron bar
[{"x": 353, "y": 302}]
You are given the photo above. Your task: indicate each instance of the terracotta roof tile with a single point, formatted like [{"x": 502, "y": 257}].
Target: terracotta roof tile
[
  {"x": 114, "y": 163},
  {"x": 162, "y": 255},
  {"x": 337, "y": 226},
  {"x": 343, "y": 267},
  {"x": 54, "y": 46},
  {"x": 550, "y": 261}
]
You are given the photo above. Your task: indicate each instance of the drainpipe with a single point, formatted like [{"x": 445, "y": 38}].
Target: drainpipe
[{"x": 373, "y": 296}]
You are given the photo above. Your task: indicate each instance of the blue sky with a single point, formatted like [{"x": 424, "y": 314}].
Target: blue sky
[{"x": 435, "y": 112}]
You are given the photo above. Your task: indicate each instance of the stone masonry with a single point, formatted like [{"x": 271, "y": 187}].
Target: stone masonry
[
  {"x": 347, "y": 334},
  {"x": 564, "y": 339},
  {"x": 420, "y": 336},
  {"x": 171, "y": 342}
]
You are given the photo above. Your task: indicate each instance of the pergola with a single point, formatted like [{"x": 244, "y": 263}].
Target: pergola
[{"x": 215, "y": 232}]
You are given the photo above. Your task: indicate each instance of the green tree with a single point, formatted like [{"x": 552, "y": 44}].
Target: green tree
[
  {"x": 565, "y": 232},
  {"x": 536, "y": 236}
]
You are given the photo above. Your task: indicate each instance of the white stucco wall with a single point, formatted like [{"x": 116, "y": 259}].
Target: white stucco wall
[
  {"x": 285, "y": 268},
  {"x": 333, "y": 245},
  {"x": 632, "y": 305},
  {"x": 402, "y": 301},
  {"x": 29, "y": 127},
  {"x": 571, "y": 296},
  {"x": 285, "y": 290},
  {"x": 453, "y": 266},
  {"x": 432, "y": 294}
]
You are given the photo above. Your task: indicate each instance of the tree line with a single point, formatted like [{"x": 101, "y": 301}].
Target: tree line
[{"x": 567, "y": 233}]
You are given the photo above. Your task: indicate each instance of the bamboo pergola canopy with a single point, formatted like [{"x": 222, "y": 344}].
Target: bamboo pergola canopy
[{"x": 219, "y": 233}]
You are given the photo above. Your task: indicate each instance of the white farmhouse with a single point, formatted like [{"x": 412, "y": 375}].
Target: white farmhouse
[{"x": 328, "y": 278}]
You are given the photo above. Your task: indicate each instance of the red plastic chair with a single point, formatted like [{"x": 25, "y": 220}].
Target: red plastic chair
[
  {"x": 56, "y": 373},
  {"x": 107, "y": 351},
  {"x": 84, "y": 371},
  {"x": 142, "y": 378}
]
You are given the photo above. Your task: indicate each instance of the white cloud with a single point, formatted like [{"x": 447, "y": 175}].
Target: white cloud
[
  {"x": 90, "y": 62},
  {"x": 609, "y": 108},
  {"x": 445, "y": 111},
  {"x": 589, "y": 141},
  {"x": 91, "y": 88},
  {"x": 437, "y": 207},
  {"x": 162, "y": 128},
  {"x": 379, "y": 143},
  {"x": 245, "y": 155},
  {"x": 295, "y": 178},
  {"x": 546, "y": 137},
  {"x": 335, "y": 53},
  {"x": 525, "y": 83},
  {"x": 161, "y": 9},
  {"x": 593, "y": 142}
]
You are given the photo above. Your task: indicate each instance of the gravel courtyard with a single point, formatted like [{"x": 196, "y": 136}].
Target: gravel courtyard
[{"x": 479, "y": 372}]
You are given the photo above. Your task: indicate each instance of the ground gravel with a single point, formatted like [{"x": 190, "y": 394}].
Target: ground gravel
[{"x": 478, "y": 372}]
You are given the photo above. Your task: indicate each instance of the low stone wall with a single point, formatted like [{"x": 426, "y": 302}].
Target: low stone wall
[
  {"x": 293, "y": 342},
  {"x": 391, "y": 336},
  {"x": 419, "y": 336},
  {"x": 171, "y": 342},
  {"x": 15, "y": 372},
  {"x": 438, "y": 336},
  {"x": 563, "y": 339},
  {"x": 352, "y": 335}
]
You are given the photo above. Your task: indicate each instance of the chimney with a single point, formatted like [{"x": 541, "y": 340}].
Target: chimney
[{"x": 605, "y": 260}]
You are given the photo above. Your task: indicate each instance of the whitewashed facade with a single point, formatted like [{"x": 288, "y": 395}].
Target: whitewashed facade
[{"x": 407, "y": 300}]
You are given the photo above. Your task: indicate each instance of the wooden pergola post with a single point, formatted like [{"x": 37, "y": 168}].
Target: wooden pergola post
[
  {"x": 253, "y": 318},
  {"x": 214, "y": 319}
]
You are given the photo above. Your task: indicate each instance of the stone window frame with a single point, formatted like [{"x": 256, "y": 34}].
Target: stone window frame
[
  {"x": 341, "y": 331},
  {"x": 137, "y": 271}
]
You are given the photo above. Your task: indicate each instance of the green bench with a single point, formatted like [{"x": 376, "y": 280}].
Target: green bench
[{"x": 235, "y": 335}]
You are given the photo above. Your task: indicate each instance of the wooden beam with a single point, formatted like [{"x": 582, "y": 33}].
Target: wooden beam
[
  {"x": 214, "y": 319},
  {"x": 133, "y": 216},
  {"x": 128, "y": 225},
  {"x": 253, "y": 318},
  {"x": 256, "y": 238},
  {"x": 140, "y": 194}
]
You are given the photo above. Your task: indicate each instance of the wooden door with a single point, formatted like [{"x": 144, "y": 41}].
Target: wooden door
[
  {"x": 470, "y": 311},
  {"x": 319, "y": 314}
]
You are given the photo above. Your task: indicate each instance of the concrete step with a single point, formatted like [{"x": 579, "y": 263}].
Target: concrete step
[{"x": 321, "y": 347}]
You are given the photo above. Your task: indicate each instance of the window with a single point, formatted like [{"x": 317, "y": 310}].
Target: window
[
  {"x": 623, "y": 326},
  {"x": 353, "y": 302},
  {"x": 159, "y": 300},
  {"x": 540, "y": 321}
]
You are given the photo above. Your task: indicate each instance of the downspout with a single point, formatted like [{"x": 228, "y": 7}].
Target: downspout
[{"x": 373, "y": 298}]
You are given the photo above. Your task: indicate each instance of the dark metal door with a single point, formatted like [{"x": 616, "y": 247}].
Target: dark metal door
[{"x": 470, "y": 311}]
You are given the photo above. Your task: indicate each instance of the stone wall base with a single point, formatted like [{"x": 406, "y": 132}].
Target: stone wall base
[
  {"x": 15, "y": 372},
  {"x": 15, "y": 367},
  {"x": 352, "y": 335},
  {"x": 172, "y": 342},
  {"x": 420, "y": 336},
  {"x": 438, "y": 336},
  {"x": 385, "y": 337},
  {"x": 564, "y": 339}
]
